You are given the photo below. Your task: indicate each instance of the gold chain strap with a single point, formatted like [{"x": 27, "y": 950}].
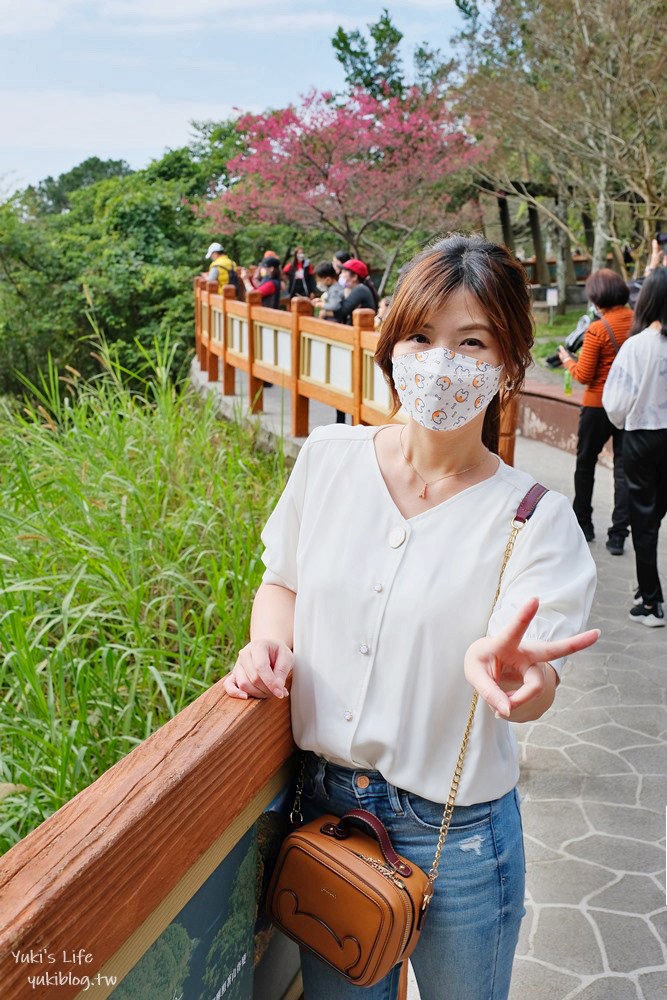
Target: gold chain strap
[{"x": 449, "y": 806}]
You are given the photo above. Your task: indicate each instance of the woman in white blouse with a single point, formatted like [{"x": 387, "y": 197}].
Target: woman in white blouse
[
  {"x": 635, "y": 397},
  {"x": 382, "y": 560}
]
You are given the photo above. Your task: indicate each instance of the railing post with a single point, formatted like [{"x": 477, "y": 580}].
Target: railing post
[
  {"x": 197, "y": 316},
  {"x": 203, "y": 348},
  {"x": 509, "y": 413},
  {"x": 213, "y": 366},
  {"x": 228, "y": 371},
  {"x": 255, "y": 385},
  {"x": 362, "y": 319},
  {"x": 298, "y": 307}
]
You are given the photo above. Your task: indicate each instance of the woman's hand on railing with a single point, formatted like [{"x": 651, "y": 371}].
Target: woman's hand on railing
[{"x": 260, "y": 671}]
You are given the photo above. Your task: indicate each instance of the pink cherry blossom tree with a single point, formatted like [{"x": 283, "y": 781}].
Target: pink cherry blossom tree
[{"x": 371, "y": 171}]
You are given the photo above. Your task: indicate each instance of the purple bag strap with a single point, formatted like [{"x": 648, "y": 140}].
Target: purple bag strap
[{"x": 526, "y": 508}]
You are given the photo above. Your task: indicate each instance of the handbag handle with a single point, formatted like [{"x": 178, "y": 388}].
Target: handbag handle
[{"x": 341, "y": 830}]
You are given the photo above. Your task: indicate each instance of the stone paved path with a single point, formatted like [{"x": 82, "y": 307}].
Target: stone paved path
[
  {"x": 594, "y": 794},
  {"x": 593, "y": 785}
]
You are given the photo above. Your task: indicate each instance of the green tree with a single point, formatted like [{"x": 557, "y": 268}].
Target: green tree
[
  {"x": 235, "y": 938},
  {"x": 51, "y": 196},
  {"x": 161, "y": 973},
  {"x": 376, "y": 65}
]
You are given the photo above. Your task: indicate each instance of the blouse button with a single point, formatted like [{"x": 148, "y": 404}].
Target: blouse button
[
  {"x": 377, "y": 587},
  {"x": 363, "y": 648},
  {"x": 348, "y": 716},
  {"x": 397, "y": 537}
]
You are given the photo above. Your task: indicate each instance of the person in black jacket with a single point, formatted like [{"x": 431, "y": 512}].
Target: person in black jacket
[
  {"x": 300, "y": 276},
  {"x": 267, "y": 282},
  {"x": 361, "y": 293}
]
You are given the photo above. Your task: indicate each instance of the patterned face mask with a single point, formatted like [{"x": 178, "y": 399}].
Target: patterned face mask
[{"x": 442, "y": 390}]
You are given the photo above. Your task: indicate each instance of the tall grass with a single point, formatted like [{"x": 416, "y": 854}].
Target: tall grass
[{"x": 129, "y": 553}]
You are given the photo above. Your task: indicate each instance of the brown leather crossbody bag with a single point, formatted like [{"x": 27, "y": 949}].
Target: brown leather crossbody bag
[{"x": 344, "y": 892}]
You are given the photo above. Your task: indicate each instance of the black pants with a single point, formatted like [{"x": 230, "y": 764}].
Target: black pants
[
  {"x": 645, "y": 463},
  {"x": 595, "y": 429}
]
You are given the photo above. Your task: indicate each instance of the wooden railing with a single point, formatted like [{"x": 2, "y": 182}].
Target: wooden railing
[
  {"x": 98, "y": 882},
  {"x": 311, "y": 358}
]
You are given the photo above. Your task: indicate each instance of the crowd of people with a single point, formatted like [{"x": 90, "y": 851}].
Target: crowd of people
[{"x": 335, "y": 287}]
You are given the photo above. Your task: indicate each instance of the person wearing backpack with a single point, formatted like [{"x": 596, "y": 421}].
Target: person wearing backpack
[
  {"x": 222, "y": 268},
  {"x": 602, "y": 340}
]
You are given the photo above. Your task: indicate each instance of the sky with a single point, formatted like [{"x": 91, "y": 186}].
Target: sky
[{"x": 123, "y": 79}]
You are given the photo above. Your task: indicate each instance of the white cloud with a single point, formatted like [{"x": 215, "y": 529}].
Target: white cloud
[
  {"x": 110, "y": 124},
  {"x": 174, "y": 21},
  {"x": 158, "y": 17},
  {"x": 18, "y": 17}
]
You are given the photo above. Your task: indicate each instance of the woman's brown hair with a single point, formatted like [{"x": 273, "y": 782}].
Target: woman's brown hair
[
  {"x": 497, "y": 280},
  {"x": 606, "y": 289}
]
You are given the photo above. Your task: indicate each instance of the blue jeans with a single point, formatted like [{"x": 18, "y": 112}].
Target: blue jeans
[{"x": 467, "y": 946}]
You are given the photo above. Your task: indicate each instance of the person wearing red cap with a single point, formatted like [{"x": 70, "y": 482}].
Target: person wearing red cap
[{"x": 361, "y": 292}]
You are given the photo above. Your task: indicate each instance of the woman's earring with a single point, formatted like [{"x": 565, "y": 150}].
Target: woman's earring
[{"x": 508, "y": 384}]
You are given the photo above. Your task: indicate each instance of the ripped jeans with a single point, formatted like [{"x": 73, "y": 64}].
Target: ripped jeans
[{"x": 467, "y": 946}]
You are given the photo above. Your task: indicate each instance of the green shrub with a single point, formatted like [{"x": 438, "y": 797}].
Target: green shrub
[{"x": 129, "y": 554}]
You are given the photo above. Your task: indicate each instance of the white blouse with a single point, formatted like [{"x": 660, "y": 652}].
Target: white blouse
[
  {"x": 387, "y": 606},
  {"x": 635, "y": 393}
]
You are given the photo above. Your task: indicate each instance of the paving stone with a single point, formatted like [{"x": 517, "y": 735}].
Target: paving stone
[
  {"x": 626, "y": 821},
  {"x": 591, "y": 658},
  {"x": 653, "y": 792},
  {"x": 541, "y": 785},
  {"x": 601, "y": 697},
  {"x": 618, "y": 853},
  {"x": 609, "y": 988},
  {"x": 632, "y": 894},
  {"x": 537, "y": 851},
  {"x": 620, "y": 788},
  {"x": 654, "y": 672},
  {"x": 565, "y": 697},
  {"x": 547, "y": 821},
  {"x": 653, "y": 985},
  {"x": 629, "y": 941},
  {"x": 651, "y": 720},
  {"x": 565, "y": 938},
  {"x": 659, "y": 921},
  {"x": 596, "y": 760},
  {"x": 525, "y": 931},
  {"x": 542, "y": 759},
  {"x": 636, "y": 690},
  {"x": 648, "y": 760},
  {"x": 587, "y": 678},
  {"x": 615, "y": 737},
  {"x": 533, "y": 981},
  {"x": 565, "y": 880},
  {"x": 549, "y": 736},
  {"x": 579, "y": 720}
]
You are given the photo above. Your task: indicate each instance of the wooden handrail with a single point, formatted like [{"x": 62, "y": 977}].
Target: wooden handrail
[{"x": 95, "y": 870}]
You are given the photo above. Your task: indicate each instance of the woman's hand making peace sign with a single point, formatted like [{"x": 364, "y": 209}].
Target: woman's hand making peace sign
[{"x": 513, "y": 675}]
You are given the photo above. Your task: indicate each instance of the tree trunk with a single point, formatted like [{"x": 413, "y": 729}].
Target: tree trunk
[
  {"x": 601, "y": 222},
  {"x": 541, "y": 269},
  {"x": 589, "y": 236},
  {"x": 563, "y": 252},
  {"x": 505, "y": 221}
]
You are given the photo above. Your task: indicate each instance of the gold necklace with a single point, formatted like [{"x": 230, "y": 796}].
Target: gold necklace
[{"x": 422, "y": 492}]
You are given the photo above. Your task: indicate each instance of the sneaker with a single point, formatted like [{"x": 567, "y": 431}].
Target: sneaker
[
  {"x": 615, "y": 545},
  {"x": 589, "y": 532},
  {"x": 651, "y": 615},
  {"x": 637, "y": 599}
]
